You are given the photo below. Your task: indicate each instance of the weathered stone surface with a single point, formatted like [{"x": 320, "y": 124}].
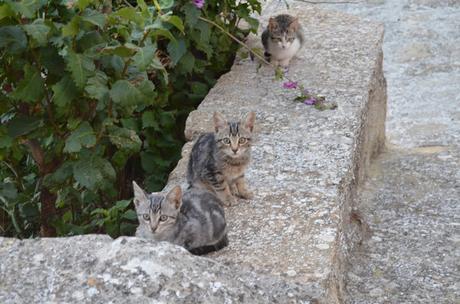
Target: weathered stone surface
[
  {"x": 305, "y": 171},
  {"x": 306, "y": 163},
  {"x": 411, "y": 203},
  {"x": 97, "y": 269}
]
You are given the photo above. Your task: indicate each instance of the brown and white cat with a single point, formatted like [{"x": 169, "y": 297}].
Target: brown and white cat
[
  {"x": 282, "y": 39},
  {"x": 218, "y": 160}
]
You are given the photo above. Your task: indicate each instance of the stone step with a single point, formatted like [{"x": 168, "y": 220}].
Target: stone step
[{"x": 306, "y": 164}]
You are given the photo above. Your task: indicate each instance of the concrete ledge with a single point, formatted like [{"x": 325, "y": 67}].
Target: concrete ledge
[
  {"x": 98, "y": 270},
  {"x": 306, "y": 164}
]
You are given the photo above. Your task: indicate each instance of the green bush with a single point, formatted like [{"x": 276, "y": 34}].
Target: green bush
[{"x": 95, "y": 94}]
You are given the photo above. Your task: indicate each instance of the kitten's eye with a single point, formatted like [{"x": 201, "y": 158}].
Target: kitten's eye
[
  {"x": 242, "y": 140},
  {"x": 146, "y": 217},
  {"x": 291, "y": 39},
  {"x": 226, "y": 141},
  {"x": 163, "y": 218},
  {"x": 276, "y": 39}
]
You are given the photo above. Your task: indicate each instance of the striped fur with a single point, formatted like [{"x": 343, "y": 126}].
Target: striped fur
[
  {"x": 219, "y": 160},
  {"x": 194, "y": 220}
]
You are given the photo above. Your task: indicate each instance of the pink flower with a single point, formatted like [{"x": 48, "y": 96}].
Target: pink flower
[
  {"x": 290, "y": 85},
  {"x": 310, "y": 101},
  {"x": 198, "y": 3}
]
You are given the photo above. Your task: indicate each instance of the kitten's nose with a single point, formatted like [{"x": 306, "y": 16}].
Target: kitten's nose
[
  {"x": 283, "y": 46},
  {"x": 234, "y": 150}
]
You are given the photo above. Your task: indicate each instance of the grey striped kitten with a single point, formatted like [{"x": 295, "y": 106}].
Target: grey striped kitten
[
  {"x": 219, "y": 160},
  {"x": 282, "y": 39},
  {"x": 194, "y": 220}
]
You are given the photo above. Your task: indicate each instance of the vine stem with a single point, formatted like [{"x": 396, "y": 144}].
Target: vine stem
[
  {"x": 300, "y": 88},
  {"x": 237, "y": 40},
  {"x": 243, "y": 45}
]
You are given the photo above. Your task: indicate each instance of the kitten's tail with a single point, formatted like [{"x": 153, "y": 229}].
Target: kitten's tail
[
  {"x": 267, "y": 56},
  {"x": 211, "y": 248}
]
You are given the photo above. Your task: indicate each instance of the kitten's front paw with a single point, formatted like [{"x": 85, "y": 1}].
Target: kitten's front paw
[
  {"x": 229, "y": 201},
  {"x": 285, "y": 63},
  {"x": 275, "y": 63},
  {"x": 246, "y": 194}
]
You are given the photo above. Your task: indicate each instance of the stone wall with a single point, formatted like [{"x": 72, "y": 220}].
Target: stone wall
[
  {"x": 307, "y": 164},
  {"x": 96, "y": 269},
  {"x": 288, "y": 244}
]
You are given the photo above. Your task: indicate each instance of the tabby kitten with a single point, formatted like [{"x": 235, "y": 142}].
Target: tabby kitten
[
  {"x": 219, "y": 160},
  {"x": 282, "y": 39},
  {"x": 194, "y": 220}
]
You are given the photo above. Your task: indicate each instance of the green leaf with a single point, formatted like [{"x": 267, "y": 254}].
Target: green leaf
[
  {"x": 122, "y": 205},
  {"x": 12, "y": 39},
  {"x": 52, "y": 61},
  {"x": 254, "y": 23},
  {"x": 164, "y": 33},
  {"x": 205, "y": 31},
  {"x": 187, "y": 62},
  {"x": 38, "y": 30},
  {"x": 97, "y": 86},
  {"x": 82, "y": 136},
  {"x": 8, "y": 190},
  {"x": 92, "y": 171},
  {"x": 22, "y": 125},
  {"x": 125, "y": 93},
  {"x": 5, "y": 11},
  {"x": 148, "y": 162},
  {"x": 5, "y": 141},
  {"x": 130, "y": 215},
  {"x": 64, "y": 91},
  {"x": 191, "y": 14},
  {"x": 72, "y": 28},
  {"x": 126, "y": 50},
  {"x": 82, "y": 4},
  {"x": 149, "y": 120},
  {"x": 130, "y": 14},
  {"x": 127, "y": 228},
  {"x": 32, "y": 87},
  {"x": 174, "y": 20},
  {"x": 176, "y": 50},
  {"x": 63, "y": 172},
  {"x": 120, "y": 158},
  {"x": 26, "y": 8},
  {"x": 199, "y": 88},
  {"x": 166, "y": 4},
  {"x": 144, "y": 57},
  {"x": 125, "y": 139},
  {"x": 147, "y": 88},
  {"x": 81, "y": 67},
  {"x": 95, "y": 18}
]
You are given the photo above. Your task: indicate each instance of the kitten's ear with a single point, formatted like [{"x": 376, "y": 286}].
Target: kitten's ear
[
  {"x": 219, "y": 121},
  {"x": 174, "y": 197},
  {"x": 249, "y": 121},
  {"x": 272, "y": 24},
  {"x": 139, "y": 194},
  {"x": 294, "y": 26}
]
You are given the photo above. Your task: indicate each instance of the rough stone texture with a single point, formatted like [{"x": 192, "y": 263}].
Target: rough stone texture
[
  {"x": 97, "y": 269},
  {"x": 412, "y": 201},
  {"x": 306, "y": 163},
  {"x": 306, "y": 168},
  {"x": 412, "y": 206}
]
